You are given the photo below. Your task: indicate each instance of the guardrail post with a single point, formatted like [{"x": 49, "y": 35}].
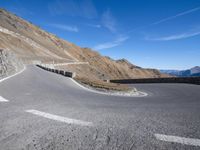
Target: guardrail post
[
  {"x": 66, "y": 73},
  {"x": 61, "y": 72}
]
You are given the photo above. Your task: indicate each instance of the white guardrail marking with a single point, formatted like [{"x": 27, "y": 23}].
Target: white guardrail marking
[
  {"x": 3, "y": 99},
  {"x": 59, "y": 118},
  {"x": 177, "y": 139}
]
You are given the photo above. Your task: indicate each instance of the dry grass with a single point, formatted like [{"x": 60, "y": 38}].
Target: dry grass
[{"x": 102, "y": 85}]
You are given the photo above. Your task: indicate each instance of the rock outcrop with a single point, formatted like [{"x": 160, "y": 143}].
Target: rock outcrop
[{"x": 9, "y": 64}]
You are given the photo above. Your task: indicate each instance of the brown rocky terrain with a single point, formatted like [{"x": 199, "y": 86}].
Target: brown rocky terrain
[{"x": 33, "y": 45}]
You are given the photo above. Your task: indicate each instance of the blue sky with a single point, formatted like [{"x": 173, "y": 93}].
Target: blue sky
[{"x": 163, "y": 34}]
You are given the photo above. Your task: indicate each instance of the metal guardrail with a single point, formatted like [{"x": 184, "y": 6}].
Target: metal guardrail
[
  {"x": 61, "y": 72},
  {"x": 191, "y": 80}
]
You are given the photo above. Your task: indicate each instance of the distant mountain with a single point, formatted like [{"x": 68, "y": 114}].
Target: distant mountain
[{"x": 195, "y": 71}]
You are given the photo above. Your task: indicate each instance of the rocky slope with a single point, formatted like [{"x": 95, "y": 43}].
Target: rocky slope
[
  {"x": 34, "y": 45},
  {"x": 9, "y": 63}
]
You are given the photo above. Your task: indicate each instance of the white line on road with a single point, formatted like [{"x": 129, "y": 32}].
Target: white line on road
[
  {"x": 59, "y": 118},
  {"x": 177, "y": 139},
  {"x": 3, "y": 99},
  {"x": 13, "y": 75}
]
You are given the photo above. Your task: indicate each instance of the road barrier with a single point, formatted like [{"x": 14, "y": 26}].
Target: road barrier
[
  {"x": 61, "y": 72},
  {"x": 191, "y": 80}
]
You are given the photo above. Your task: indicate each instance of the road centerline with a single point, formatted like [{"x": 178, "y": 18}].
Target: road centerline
[
  {"x": 177, "y": 139},
  {"x": 3, "y": 99},
  {"x": 59, "y": 118}
]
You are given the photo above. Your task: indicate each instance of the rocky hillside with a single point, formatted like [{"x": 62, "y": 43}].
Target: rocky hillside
[
  {"x": 34, "y": 45},
  {"x": 9, "y": 64}
]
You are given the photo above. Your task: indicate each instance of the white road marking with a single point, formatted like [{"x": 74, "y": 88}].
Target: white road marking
[
  {"x": 59, "y": 118},
  {"x": 3, "y": 99},
  {"x": 177, "y": 139},
  {"x": 13, "y": 75}
]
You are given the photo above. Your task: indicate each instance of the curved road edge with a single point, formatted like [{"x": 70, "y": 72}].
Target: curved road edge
[
  {"x": 126, "y": 94},
  {"x": 122, "y": 94},
  {"x": 132, "y": 93},
  {"x": 24, "y": 68}
]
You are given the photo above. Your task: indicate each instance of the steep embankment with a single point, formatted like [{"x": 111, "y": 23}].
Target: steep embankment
[
  {"x": 9, "y": 63},
  {"x": 34, "y": 45}
]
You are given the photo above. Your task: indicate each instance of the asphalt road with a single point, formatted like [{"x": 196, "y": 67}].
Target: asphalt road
[{"x": 43, "y": 110}]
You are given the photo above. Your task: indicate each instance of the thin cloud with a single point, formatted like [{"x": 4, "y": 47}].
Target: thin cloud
[
  {"x": 177, "y": 15},
  {"x": 83, "y": 8},
  {"x": 65, "y": 27},
  {"x": 94, "y": 25},
  {"x": 175, "y": 37},
  {"x": 115, "y": 43},
  {"x": 109, "y": 21},
  {"x": 165, "y": 19}
]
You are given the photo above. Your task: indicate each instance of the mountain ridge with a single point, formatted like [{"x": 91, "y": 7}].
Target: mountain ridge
[
  {"x": 194, "y": 71},
  {"x": 32, "y": 44}
]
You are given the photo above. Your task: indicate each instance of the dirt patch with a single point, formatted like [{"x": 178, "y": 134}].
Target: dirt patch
[{"x": 102, "y": 85}]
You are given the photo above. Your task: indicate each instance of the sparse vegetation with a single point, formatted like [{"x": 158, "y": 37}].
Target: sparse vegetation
[{"x": 102, "y": 85}]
